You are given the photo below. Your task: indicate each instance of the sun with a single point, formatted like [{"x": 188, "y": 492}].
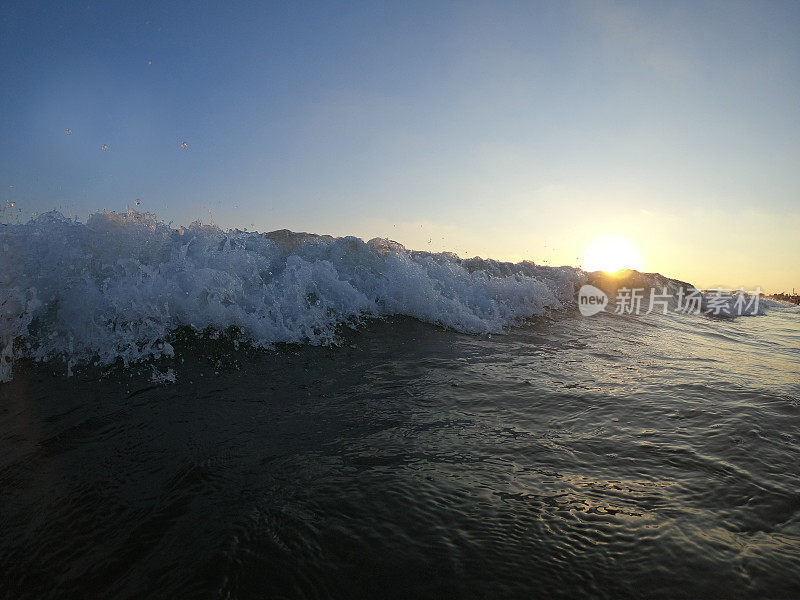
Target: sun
[{"x": 610, "y": 254}]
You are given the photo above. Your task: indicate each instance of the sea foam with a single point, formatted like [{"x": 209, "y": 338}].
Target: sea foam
[{"x": 116, "y": 286}]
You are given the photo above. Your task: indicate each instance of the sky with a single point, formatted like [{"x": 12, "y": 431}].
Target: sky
[{"x": 506, "y": 130}]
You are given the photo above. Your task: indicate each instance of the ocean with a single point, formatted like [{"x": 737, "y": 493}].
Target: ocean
[{"x": 197, "y": 413}]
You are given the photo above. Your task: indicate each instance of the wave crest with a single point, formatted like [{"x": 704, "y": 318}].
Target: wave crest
[{"x": 116, "y": 286}]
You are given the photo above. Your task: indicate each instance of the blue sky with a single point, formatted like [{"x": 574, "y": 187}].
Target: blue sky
[{"x": 511, "y": 130}]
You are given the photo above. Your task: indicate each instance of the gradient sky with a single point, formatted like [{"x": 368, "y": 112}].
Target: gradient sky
[{"x": 513, "y": 131}]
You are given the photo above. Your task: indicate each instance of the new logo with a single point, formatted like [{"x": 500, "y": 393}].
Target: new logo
[{"x": 591, "y": 300}]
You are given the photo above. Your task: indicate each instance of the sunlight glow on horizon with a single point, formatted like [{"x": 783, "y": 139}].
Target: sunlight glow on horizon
[{"x": 611, "y": 254}]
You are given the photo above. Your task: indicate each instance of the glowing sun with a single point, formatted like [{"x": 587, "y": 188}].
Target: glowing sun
[{"x": 611, "y": 254}]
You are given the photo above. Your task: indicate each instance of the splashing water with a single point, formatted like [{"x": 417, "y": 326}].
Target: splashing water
[{"x": 118, "y": 285}]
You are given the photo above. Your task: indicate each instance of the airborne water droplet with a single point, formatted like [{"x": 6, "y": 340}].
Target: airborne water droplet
[{"x": 69, "y": 132}]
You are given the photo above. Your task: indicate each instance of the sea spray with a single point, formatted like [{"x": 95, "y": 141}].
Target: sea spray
[{"x": 116, "y": 286}]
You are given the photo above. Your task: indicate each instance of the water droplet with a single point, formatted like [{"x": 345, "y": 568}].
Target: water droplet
[
  {"x": 69, "y": 132},
  {"x": 104, "y": 147}
]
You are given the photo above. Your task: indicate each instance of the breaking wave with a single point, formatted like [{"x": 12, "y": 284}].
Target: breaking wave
[{"x": 116, "y": 286}]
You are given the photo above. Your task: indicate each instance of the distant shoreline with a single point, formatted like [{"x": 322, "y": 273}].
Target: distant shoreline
[{"x": 794, "y": 299}]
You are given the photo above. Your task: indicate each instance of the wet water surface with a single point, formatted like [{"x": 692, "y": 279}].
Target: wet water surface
[{"x": 609, "y": 456}]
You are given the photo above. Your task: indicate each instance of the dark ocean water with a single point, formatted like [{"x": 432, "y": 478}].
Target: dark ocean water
[{"x": 601, "y": 457}]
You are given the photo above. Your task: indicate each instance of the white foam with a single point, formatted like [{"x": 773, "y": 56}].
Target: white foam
[
  {"x": 116, "y": 286},
  {"x": 160, "y": 378}
]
